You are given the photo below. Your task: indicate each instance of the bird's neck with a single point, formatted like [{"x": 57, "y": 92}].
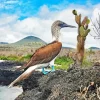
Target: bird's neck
[{"x": 56, "y": 35}]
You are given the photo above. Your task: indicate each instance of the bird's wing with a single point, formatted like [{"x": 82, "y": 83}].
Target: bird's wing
[{"x": 44, "y": 54}]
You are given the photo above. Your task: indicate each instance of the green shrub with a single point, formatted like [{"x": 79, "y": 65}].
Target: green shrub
[
  {"x": 63, "y": 62},
  {"x": 16, "y": 58},
  {"x": 3, "y": 58},
  {"x": 26, "y": 57}
]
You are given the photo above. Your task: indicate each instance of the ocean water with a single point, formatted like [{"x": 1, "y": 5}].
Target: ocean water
[
  {"x": 9, "y": 93},
  {"x": 2, "y": 60}
]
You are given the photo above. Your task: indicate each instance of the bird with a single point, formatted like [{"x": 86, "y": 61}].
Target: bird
[{"x": 45, "y": 55}]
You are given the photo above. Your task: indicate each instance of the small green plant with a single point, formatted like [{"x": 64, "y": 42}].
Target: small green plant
[
  {"x": 63, "y": 62},
  {"x": 3, "y": 58},
  {"x": 26, "y": 57},
  {"x": 16, "y": 58}
]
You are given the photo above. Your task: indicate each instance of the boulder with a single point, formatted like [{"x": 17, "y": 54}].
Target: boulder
[{"x": 7, "y": 75}]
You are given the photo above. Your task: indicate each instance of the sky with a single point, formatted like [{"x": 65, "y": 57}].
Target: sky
[{"x": 22, "y": 18}]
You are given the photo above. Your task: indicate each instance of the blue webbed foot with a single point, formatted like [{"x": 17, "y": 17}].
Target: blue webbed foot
[
  {"x": 45, "y": 71},
  {"x": 48, "y": 71},
  {"x": 52, "y": 68}
]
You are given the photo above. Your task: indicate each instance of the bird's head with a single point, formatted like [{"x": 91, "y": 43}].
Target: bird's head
[
  {"x": 56, "y": 26},
  {"x": 60, "y": 24}
]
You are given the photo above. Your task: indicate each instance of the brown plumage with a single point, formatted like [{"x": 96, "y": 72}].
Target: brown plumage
[{"x": 44, "y": 54}]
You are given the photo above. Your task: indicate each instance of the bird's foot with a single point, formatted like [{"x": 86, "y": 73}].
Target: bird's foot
[
  {"x": 47, "y": 70},
  {"x": 52, "y": 68}
]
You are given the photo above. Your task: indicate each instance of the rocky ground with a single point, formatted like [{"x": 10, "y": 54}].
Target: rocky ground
[
  {"x": 6, "y": 73},
  {"x": 74, "y": 84}
]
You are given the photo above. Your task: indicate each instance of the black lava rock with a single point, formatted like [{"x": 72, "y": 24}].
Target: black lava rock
[{"x": 61, "y": 85}]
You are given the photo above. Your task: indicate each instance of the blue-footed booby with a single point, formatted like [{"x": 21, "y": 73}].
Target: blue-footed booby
[{"x": 45, "y": 55}]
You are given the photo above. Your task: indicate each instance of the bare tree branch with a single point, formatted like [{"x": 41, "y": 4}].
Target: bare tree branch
[{"x": 96, "y": 28}]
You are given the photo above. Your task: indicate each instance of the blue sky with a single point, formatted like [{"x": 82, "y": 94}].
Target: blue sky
[
  {"x": 21, "y": 18},
  {"x": 26, "y": 8}
]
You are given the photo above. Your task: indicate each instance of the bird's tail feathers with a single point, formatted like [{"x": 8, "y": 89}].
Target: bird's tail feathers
[{"x": 23, "y": 76}]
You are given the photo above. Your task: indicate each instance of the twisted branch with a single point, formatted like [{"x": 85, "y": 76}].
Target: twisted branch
[{"x": 96, "y": 28}]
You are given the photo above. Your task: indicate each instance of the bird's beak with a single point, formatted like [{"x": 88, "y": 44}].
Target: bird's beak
[{"x": 66, "y": 25}]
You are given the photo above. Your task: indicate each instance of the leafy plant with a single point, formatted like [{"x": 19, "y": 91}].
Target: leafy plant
[
  {"x": 63, "y": 62},
  {"x": 26, "y": 57}
]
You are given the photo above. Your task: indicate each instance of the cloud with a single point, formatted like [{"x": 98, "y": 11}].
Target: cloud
[
  {"x": 12, "y": 29},
  {"x": 8, "y": 4},
  {"x": 7, "y": 19},
  {"x": 11, "y": 1}
]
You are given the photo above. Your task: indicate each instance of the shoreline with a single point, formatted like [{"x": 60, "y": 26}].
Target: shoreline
[
  {"x": 14, "y": 92},
  {"x": 7, "y": 75},
  {"x": 2, "y": 61}
]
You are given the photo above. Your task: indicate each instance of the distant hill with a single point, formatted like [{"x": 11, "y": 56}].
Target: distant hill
[
  {"x": 30, "y": 40},
  {"x": 94, "y": 48},
  {"x": 3, "y": 42}
]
